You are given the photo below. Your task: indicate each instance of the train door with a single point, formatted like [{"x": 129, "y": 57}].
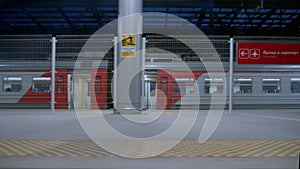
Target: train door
[
  {"x": 81, "y": 93},
  {"x": 98, "y": 88},
  {"x": 165, "y": 89},
  {"x": 70, "y": 92},
  {"x": 88, "y": 93},
  {"x": 150, "y": 94}
]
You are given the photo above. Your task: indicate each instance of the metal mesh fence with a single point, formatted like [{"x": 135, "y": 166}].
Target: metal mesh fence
[
  {"x": 87, "y": 51},
  {"x": 25, "y": 71},
  {"x": 268, "y": 38},
  {"x": 173, "y": 45},
  {"x": 25, "y": 62},
  {"x": 25, "y": 48},
  {"x": 69, "y": 46}
]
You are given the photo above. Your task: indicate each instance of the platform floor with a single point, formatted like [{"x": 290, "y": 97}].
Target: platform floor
[
  {"x": 187, "y": 148},
  {"x": 244, "y": 139}
]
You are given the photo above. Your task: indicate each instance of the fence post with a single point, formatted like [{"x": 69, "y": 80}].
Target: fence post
[
  {"x": 115, "y": 74},
  {"x": 53, "y": 56},
  {"x": 143, "y": 73},
  {"x": 231, "y": 75}
]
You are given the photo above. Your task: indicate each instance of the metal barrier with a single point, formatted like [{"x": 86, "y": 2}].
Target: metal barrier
[
  {"x": 26, "y": 63},
  {"x": 25, "y": 71}
]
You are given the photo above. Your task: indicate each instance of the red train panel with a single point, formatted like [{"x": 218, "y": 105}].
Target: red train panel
[
  {"x": 61, "y": 89},
  {"x": 166, "y": 86},
  {"x": 44, "y": 97},
  {"x": 99, "y": 88}
]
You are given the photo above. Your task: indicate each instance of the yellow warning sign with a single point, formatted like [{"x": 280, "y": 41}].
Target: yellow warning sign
[
  {"x": 128, "y": 40},
  {"x": 128, "y": 45},
  {"x": 128, "y": 54}
]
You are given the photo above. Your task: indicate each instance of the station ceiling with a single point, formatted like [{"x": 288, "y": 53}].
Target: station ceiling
[{"x": 214, "y": 17}]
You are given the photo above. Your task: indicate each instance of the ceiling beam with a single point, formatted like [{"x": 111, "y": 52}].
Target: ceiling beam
[
  {"x": 268, "y": 17},
  {"x": 4, "y": 25},
  {"x": 39, "y": 25},
  {"x": 250, "y": 18},
  {"x": 201, "y": 17},
  {"x": 97, "y": 16},
  {"x": 275, "y": 4},
  {"x": 294, "y": 25},
  {"x": 79, "y": 17},
  {"x": 93, "y": 8},
  {"x": 64, "y": 16}
]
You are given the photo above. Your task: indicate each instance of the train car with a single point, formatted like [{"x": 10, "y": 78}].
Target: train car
[
  {"x": 24, "y": 87},
  {"x": 32, "y": 89},
  {"x": 254, "y": 86},
  {"x": 89, "y": 90}
]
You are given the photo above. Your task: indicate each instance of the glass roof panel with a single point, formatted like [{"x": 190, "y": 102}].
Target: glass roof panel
[
  {"x": 263, "y": 10},
  {"x": 226, "y": 10},
  {"x": 187, "y": 9}
]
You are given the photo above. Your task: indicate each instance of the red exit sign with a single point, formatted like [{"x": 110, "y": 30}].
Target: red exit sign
[{"x": 268, "y": 53}]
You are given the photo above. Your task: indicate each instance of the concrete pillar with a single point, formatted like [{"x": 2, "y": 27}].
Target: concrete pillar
[{"x": 129, "y": 61}]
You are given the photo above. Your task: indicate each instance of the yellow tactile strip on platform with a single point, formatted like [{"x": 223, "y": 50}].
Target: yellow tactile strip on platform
[
  {"x": 236, "y": 148},
  {"x": 49, "y": 148},
  {"x": 187, "y": 148}
]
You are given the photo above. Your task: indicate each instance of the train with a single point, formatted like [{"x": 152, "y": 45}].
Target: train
[{"x": 254, "y": 86}]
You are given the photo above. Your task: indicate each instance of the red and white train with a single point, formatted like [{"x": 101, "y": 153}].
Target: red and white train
[{"x": 268, "y": 86}]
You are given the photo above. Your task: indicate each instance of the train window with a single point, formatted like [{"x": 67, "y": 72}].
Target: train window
[
  {"x": 60, "y": 84},
  {"x": 88, "y": 85},
  {"x": 41, "y": 84},
  {"x": 271, "y": 85},
  {"x": 152, "y": 88},
  {"x": 164, "y": 84},
  {"x": 180, "y": 89},
  {"x": 184, "y": 85},
  {"x": 242, "y": 85},
  {"x": 98, "y": 84},
  {"x": 164, "y": 79},
  {"x": 295, "y": 85},
  {"x": 12, "y": 84},
  {"x": 214, "y": 85}
]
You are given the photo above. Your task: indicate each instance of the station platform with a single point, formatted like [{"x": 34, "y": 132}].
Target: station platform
[
  {"x": 187, "y": 148},
  {"x": 261, "y": 138}
]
